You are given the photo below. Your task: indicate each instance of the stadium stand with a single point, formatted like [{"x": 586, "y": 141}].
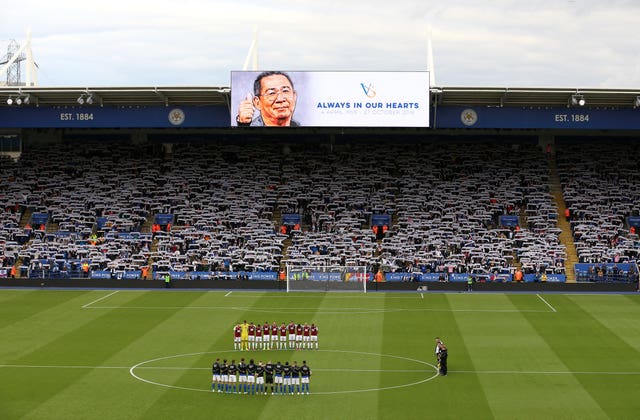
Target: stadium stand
[
  {"x": 600, "y": 186},
  {"x": 215, "y": 209}
]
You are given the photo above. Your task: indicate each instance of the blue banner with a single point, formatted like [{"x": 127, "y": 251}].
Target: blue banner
[
  {"x": 120, "y": 275},
  {"x": 163, "y": 218},
  {"x": 212, "y": 116},
  {"x": 633, "y": 221},
  {"x": 39, "y": 219},
  {"x": 532, "y": 118},
  {"x": 551, "y": 278},
  {"x": 432, "y": 276},
  {"x": 509, "y": 221},
  {"x": 584, "y": 268},
  {"x": 404, "y": 276},
  {"x": 291, "y": 219},
  {"x": 380, "y": 220},
  {"x": 114, "y": 117},
  {"x": 556, "y": 278},
  {"x": 221, "y": 275},
  {"x": 263, "y": 275},
  {"x": 319, "y": 276},
  {"x": 100, "y": 274},
  {"x": 334, "y": 276}
]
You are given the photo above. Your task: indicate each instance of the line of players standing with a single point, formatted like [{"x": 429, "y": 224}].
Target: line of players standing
[
  {"x": 248, "y": 336},
  {"x": 252, "y": 378}
]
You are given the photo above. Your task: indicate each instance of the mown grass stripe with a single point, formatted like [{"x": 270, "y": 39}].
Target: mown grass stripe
[
  {"x": 499, "y": 342},
  {"x": 91, "y": 343},
  {"x": 584, "y": 344},
  {"x": 16, "y": 307}
]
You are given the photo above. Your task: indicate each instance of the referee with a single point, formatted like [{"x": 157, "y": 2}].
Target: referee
[
  {"x": 441, "y": 355},
  {"x": 268, "y": 376}
]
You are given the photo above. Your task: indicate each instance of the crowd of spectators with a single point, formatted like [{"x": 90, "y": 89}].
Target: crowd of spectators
[
  {"x": 445, "y": 201},
  {"x": 601, "y": 187}
]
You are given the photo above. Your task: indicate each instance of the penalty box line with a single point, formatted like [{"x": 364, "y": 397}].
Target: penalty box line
[
  {"x": 99, "y": 299},
  {"x": 547, "y": 303}
]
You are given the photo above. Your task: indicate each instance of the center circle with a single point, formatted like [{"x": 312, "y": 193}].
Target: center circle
[{"x": 145, "y": 365}]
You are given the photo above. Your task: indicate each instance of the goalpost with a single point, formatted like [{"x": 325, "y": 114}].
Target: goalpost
[{"x": 327, "y": 278}]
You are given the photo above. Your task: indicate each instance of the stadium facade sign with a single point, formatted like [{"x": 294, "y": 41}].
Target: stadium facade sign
[
  {"x": 217, "y": 116},
  {"x": 114, "y": 117},
  {"x": 536, "y": 118}
]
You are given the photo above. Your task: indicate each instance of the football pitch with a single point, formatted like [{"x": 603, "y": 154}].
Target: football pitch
[{"x": 138, "y": 354}]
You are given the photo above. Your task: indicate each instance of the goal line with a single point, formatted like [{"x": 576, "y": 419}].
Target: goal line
[{"x": 327, "y": 278}]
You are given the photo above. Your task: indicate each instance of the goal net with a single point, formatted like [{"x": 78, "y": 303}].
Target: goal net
[{"x": 327, "y": 278}]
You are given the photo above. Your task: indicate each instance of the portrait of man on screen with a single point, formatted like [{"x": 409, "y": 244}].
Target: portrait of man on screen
[{"x": 272, "y": 103}]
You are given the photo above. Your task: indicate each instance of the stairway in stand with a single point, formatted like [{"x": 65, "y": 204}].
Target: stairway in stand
[
  {"x": 276, "y": 218},
  {"x": 26, "y": 218},
  {"x": 566, "y": 237}
]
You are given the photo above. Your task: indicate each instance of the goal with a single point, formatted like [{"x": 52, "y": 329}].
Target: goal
[{"x": 327, "y": 278}]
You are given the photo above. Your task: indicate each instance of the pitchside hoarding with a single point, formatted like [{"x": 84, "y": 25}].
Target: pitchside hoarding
[{"x": 330, "y": 99}]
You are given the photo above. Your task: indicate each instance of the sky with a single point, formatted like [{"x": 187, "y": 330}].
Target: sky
[{"x": 490, "y": 43}]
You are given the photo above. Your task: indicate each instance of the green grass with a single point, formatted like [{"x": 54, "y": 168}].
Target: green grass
[{"x": 68, "y": 355}]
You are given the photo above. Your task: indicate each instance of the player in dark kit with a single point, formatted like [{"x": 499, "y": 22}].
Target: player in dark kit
[
  {"x": 251, "y": 378},
  {"x": 295, "y": 378},
  {"x": 269, "y": 370},
  {"x": 305, "y": 372},
  {"x": 283, "y": 378},
  {"x": 279, "y": 382},
  {"x": 286, "y": 372},
  {"x": 260, "y": 378},
  {"x": 215, "y": 370},
  {"x": 224, "y": 375},
  {"x": 242, "y": 376},
  {"x": 233, "y": 370}
]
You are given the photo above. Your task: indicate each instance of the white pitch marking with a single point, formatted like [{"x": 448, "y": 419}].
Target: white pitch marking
[
  {"x": 548, "y": 304},
  {"x": 205, "y": 368},
  {"x": 375, "y": 370},
  {"x": 475, "y": 372},
  {"x": 530, "y": 372},
  {"x": 435, "y": 375},
  {"x": 98, "y": 300},
  {"x": 328, "y": 311},
  {"x": 228, "y": 293},
  {"x": 63, "y": 367}
]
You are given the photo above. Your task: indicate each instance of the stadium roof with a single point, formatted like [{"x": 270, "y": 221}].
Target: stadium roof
[
  {"x": 207, "y": 95},
  {"x": 118, "y": 96},
  {"x": 536, "y": 97}
]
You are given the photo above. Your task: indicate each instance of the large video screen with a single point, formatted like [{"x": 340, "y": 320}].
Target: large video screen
[{"x": 329, "y": 99}]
